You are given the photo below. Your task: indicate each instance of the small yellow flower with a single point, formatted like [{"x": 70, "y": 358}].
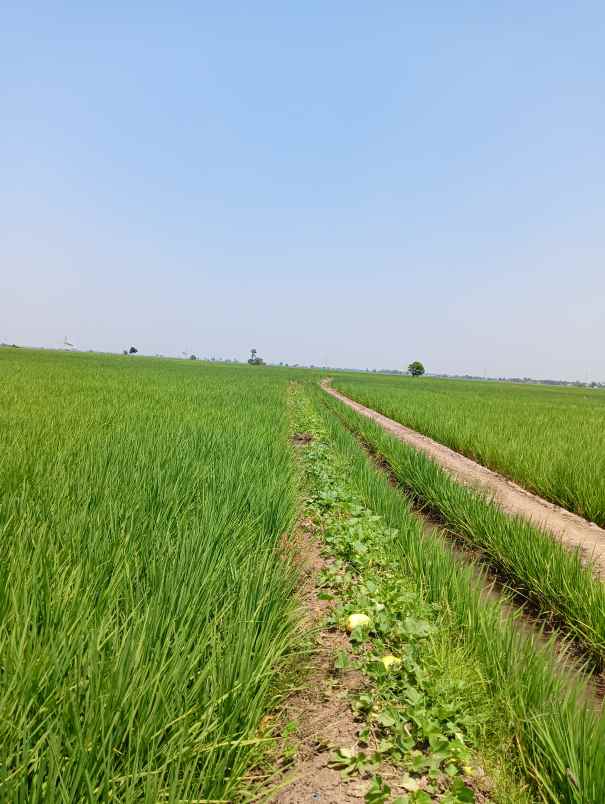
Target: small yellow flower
[{"x": 390, "y": 661}]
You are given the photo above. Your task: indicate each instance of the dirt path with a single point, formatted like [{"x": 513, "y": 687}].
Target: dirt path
[
  {"x": 321, "y": 711},
  {"x": 570, "y": 528}
]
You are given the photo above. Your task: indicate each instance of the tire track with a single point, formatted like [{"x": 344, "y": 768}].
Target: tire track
[{"x": 570, "y": 529}]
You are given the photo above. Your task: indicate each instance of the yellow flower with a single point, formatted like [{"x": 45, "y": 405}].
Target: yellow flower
[{"x": 390, "y": 661}]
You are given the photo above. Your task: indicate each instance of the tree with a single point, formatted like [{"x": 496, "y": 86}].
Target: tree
[
  {"x": 416, "y": 369},
  {"x": 254, "y": 360},
  {"x": 133, "y": 350},
  {"x": 192, "y": 357}
]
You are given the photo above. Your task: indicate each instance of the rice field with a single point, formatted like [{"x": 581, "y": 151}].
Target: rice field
[
  {"x": 558, "y": 737},
  {"x": 538, "y": 567},
  {"x": 145, "y": 609},
  {"x": 151, "y": 619},
  {"x": 550, "y": 440}
]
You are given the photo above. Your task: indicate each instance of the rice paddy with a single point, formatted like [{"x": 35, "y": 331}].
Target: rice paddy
[
  {"x": 151, "y": 618},
  {"x": 145, "y": 608},
  {"x": 555, "y": 731},
  {"x": 550, "y": 440},
  {"x": 537, "y": 566}
]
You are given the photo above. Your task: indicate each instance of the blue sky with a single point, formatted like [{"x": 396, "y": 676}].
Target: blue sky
[{"x": 361, "y": 184}]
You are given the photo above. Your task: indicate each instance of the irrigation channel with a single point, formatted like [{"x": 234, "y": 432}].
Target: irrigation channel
[
  {"x": 571, "y": 662},
  {"x": 571, "y": 529}
]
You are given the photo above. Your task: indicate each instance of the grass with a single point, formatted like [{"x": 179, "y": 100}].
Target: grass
[
  {"x": 550, "y": 440},
  {"x": 536, "y": 566},
  {"x": 558, "y": 737},
  {"x": 145, "y": 608}
]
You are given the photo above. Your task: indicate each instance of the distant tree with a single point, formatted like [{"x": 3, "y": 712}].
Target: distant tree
[
  {"x": 192, "y": 357},
  {"x": 416, "y": 369},
  {"x": 133, "y": 350},
  {"x": 254, "y": 359},
  {"x": 125, "y": 352}
]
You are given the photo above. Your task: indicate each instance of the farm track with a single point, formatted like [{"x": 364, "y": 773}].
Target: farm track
[
  {"x": 321, "y": 708},
  {"x": 571, "y": 662},
  {"x": 571, "y": 529}
]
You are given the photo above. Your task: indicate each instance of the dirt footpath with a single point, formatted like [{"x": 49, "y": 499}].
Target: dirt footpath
[
  {"x": 321, "y": 710},
  {"x": 570, "y": 528}
]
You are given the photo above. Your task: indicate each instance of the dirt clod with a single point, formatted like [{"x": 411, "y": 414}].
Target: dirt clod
[{"x": 301, "y": 439}]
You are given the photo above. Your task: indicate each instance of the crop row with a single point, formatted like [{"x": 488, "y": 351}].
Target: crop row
[
  {"x": 553, "y": 578},
  {"x": 550, "y": 440},
  {"x": 558, "y": 736},
  {"x": 145, "y": 609}
]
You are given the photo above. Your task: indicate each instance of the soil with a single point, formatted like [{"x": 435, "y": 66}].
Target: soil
[
  {"x": 300, "y": 439},
  {"x": 321, "y": 710},
  {"x": 571, "y": 529}
]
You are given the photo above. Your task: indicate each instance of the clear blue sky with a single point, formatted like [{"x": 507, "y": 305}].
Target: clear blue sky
[{"x": 361, "y": 184}]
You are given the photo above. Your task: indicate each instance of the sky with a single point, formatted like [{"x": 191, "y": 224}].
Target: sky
[{"x": 349, "y": 184}]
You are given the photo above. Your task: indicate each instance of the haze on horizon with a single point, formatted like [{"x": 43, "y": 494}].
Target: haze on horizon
[{"x": 350, "y": 185}]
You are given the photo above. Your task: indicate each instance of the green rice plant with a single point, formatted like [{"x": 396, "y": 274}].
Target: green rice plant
[
  {"x": 559, "y": 737},
  {"x": 146, "y": 608},
  {"x": 552, "y": 577},
  {"x": 551, "y": 440}
]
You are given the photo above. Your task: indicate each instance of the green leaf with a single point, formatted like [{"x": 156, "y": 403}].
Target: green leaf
[
  {"x": 462, "y": 792},
  {"x": 417, "y": 628},
  {"x": 378, "y": 792},
  {"x": 386, "y": 719},
  {"x": 290, "y": 728},
  {"x": 419, "y": 763},
  {"x": 412, "y": 695},
  {"x": 421, "y": 798}
]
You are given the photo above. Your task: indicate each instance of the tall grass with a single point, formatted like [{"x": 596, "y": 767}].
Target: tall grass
[
  {"x": 560, "y": 739},
  {"x": 144, "y": 605},
  {"x": 550, "y": 440},
  {"x": 536, "y": 565}
]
